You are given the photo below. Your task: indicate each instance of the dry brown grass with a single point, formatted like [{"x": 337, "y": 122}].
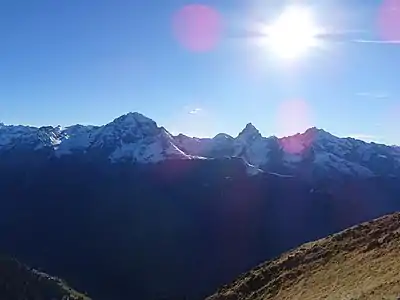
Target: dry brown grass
[{"x": 362, "y": 262}]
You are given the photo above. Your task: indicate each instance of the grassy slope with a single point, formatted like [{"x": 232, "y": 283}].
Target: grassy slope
[
  {"x": 362, "y": 262},
  {"x": 18, "y": 281}
]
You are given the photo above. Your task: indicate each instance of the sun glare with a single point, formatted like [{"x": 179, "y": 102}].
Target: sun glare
[{"x": 293, "y": 33}]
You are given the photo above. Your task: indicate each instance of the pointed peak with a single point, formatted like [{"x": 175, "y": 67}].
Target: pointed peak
[
  {"x": 249, "y": 130},
  {"x": 250, "y": 126}
]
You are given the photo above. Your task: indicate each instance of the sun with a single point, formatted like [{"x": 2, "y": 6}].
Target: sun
[{"x": 293, "y": 33}]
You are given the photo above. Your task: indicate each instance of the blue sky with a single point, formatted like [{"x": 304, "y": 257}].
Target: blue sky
[{"x": 89, "y": 61}]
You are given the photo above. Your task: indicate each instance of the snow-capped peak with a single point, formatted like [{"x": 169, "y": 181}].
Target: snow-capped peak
[
  {"x": 130, "y": 137},
  {"x": 151, "y": 148},
  {"x": 249, "y": 132},
  {"x": 222, "y": 137},
  {"x": 136, "y": 138},
  {"x": 128, "y": 128},
  {"x": 314, "y": 130},
  {"x": 317, "y": 133},
  {"x": 28, "y": 137},
  {"x": 252, "y": 147},
  {"x": 134, "y": 119}
]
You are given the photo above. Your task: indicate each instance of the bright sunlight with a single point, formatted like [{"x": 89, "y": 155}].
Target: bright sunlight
[{"x": 293, "y": 33}]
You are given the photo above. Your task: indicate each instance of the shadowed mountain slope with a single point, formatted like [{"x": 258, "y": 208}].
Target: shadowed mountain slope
[{"x": 18, "y": 281}]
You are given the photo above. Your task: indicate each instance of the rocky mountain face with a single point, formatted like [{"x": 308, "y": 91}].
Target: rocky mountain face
[
  {"x": 137, "y": 139},
  {"x": 314, "y": 153},
  {"x": 131, "y": 137}
]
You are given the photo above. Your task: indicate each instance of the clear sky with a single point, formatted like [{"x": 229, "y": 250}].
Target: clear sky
[{"x": 89, "y": 61}]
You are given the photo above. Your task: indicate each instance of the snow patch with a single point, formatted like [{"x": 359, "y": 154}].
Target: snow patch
[
  {"x": 252, "y": 170},
  {"x": 330, "y": 161},
  {"x": 280, "y": 175},
  {"x": 134, "y": 137}
]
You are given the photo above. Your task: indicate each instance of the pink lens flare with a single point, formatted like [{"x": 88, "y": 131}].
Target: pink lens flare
[
  {"x": 389, "y": 20},
  {"x": 294, "y": 116},
  {"x": 197, "y": 27}
]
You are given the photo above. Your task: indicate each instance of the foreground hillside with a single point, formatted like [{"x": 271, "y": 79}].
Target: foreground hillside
[
  {"x": 362, "y": 262},
  {"x": 17, "y": 281}
]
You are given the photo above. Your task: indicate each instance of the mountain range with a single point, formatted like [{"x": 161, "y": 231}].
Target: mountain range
[
  {"x": 129, "y": 211},
  {"x": 137, "y": 139}
]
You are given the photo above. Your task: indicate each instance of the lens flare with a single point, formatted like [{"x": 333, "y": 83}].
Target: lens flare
[
  {"x": 294, "y": 116},
  {"x": 293, "y": 33},
  {"x": 389, "y": 20},
  {"x": 197, "y": 27}
]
